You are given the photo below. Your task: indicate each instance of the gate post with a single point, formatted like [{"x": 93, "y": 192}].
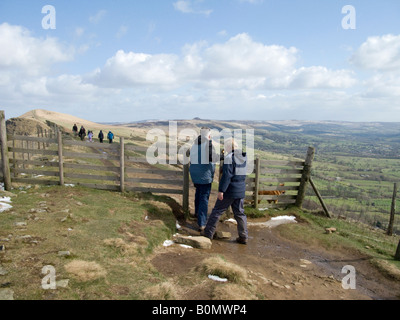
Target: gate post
[
  {"x": 122, "y": 164},
  {"x": 4, "y": 152},
  {"x": 185, "y": 200},
  {"x": 305, "y": 178},
  {"x": 392, "y": 211},
  {"x": 257, "y": 182},
  {"x": 397, "y": 255},
  {"x": 60, "y": 157}
]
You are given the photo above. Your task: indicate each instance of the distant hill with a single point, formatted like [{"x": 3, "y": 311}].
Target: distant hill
[
  {"x": 61, "y": 119},
  {"x": 290, "y": 137}
]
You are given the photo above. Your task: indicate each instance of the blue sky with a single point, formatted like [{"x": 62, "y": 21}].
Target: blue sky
[{"x": 227, "y": 59}]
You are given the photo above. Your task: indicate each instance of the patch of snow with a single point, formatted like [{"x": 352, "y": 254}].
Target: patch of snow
[
  {"x": 5, "y": 199},
  {"x": 274, "y": 222},
  {"x": 216, "y": 278},
  {"x": 178, "y": 227},
  {"x": 231, "y": 221},
  {"x": 5, "y": 204},
  {"x": 290, "y": 218},
  {"x": 186, "y": 246},
  {"x": 168, "y": 243}
]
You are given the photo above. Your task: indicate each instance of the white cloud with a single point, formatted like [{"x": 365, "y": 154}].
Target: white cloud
[
  {"x": 79, "y": 31},
  {"x": 241, "y": 57},
  {"x": 379, "y": 54},
  {"x": 129, "y": 69},
  {"x": 321, "y": 77},
  {"x": 239, "y": 63},
  {"x": 121, "y": 32},
  {"x": 382, "y": 86},
  {"x": 186, "y": 6},
  {"x": 237, "y": 77},
  {"x": 32, "y": 56},
  {"x": 222, "y": 33},
  {"x": 95, "y": 19}
]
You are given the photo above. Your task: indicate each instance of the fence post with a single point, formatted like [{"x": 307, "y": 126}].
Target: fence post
[
  {"x": 397, "y": 255},
  {"x": 60, "y": 157},
  {"x": 4, "y": 152},
  {"x": 15, "y": 175},
  {"x": 305, "y": 177},
  {"x": 320, "y": 198},
  {"x": 122, "y": 163},
  {"x": 185, "y": 200},
  {"x": 257, "y": 182},
  {"x": 392, "y": 211},
  {"x": 38, "y": 134}
]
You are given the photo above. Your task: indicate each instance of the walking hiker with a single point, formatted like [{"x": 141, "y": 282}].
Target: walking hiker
[
  {"x": 202, "y": 170},
  {"x": 101, "y": 136},
  {"x": 110, "y": 137},
  {"x": 82, "y": 133},
  {"x": 90, "y": 136},
  {"x": 75, "y": 130},
  {"x": 231, "y": 192}
]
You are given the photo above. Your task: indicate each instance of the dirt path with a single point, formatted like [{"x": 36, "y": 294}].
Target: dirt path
[
  {"x": 282, "y": 269},
  {"x": 283, "y": 261}
]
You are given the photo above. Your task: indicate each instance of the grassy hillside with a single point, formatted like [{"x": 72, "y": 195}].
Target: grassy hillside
[
  {"x": 110, "y": 235},
  {"x": 107, "y": 245}
]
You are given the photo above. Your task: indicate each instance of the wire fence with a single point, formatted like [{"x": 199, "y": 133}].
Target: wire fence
[{"x": 347, "y": 201}]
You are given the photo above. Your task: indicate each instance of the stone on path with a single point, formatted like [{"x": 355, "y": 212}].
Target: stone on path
[
  {"x": 195, "y": 242},
  {"x": 62, "y": 283},
  {"x": 6, "y": 294},
  {"x": 330, "y": 230},
  {"x": 3, "y": 271},
  {"x": 223, "y": 235}
]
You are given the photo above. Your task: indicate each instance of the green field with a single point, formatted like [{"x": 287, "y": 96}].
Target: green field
[{"x": 355, "y": 166}]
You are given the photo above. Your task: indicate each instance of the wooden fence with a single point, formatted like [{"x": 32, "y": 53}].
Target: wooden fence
[
  {"x": 279, "y": 182},
  {"x": 123, "y": 167}
]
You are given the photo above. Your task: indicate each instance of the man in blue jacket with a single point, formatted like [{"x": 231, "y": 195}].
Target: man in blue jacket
[
  {"x": 110, "y": 137},
  {"x": 231, "y": 192},
  {"x": 202, "y": 170}
]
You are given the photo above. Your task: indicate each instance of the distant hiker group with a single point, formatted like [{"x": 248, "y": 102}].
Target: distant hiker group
[{"x": 82, "y": 134}]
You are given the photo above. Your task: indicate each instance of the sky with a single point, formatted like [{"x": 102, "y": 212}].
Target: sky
[{"x": 130, "y": 60}]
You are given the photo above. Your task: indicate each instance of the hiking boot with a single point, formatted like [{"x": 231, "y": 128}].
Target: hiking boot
[{"x": 241, "y": 240}]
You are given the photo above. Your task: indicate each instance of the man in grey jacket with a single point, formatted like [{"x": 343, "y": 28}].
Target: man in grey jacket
[
  {"x": 202, "y": 170},
  {"x": 231, "y": 192}
]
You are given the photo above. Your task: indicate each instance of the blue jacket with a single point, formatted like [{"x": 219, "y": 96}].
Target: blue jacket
[
  {"x": 202, "y": 169},
  {"x": 233, "y": 180}
]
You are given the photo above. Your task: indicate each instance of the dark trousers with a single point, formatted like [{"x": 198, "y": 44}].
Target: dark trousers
[
  {"x": 201, "y": 199},
  {"x": 219, "y": 209}
]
